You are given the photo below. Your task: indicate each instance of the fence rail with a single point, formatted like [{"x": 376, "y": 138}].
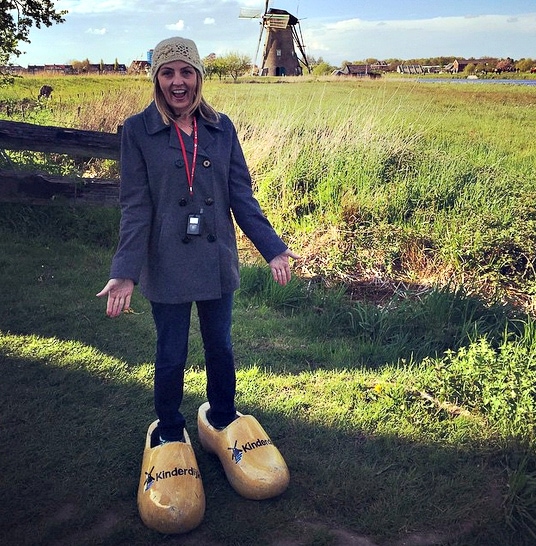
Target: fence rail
[{"x": 42, "y": 188}]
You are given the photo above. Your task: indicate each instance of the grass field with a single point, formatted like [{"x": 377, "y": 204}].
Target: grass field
[
  {"x": 406, "y": 413},
  {"x": 419, "y": 182}
]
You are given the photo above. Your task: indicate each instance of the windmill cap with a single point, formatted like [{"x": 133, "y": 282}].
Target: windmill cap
[{"x": 175, "y": 49}]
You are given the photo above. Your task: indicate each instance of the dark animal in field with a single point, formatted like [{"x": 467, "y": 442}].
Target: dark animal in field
[{"x": 45, "y": 91}]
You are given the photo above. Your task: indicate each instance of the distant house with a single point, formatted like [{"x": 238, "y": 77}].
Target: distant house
[
  {"x": 139, "y": 67},
  {"x": 113, "y": 68},
  {"x": 12, "y": 69},
  {"x": 35, "y": 68},
  {"x": 432, "y": 69},
  {"x": 410, "y": 69},
  {"x": 418, "y": 69},
  {"x": 57, "y": 68},
  {"x": 357, "y": 71},
  {"x": 459, "y": 65},
  {"x": 67, "y": 69},
  {"x": 50, "y": 69},
  {"x": 380, "y": 66}
]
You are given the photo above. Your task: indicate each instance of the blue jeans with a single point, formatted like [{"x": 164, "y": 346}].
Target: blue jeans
[{"x": 172, "y": 323}]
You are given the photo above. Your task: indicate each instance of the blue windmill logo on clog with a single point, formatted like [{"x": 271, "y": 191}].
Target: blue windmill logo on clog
[
  {"x": 149, "y": 480},
  {"x": 237, "y": 453}
]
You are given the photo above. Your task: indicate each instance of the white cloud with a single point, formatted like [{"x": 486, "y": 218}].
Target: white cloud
[
  {"x": 179, "y": 25},
  {"x": 470, "y": 36},
  {"x": 209, "y": 21},
  {"x": 465, "y": 23},
  {"x": 98, "y": 31}
]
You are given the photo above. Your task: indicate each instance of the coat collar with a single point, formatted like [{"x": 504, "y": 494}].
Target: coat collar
[{"x": 154, "y": 124}]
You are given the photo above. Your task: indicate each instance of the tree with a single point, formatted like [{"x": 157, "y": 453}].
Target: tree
[
  {"x": 232, "y": 64},
  {"x": 525, "y": 65},
  {"x": 237, "y": 65},
  {"x": 482, "y": 67},
  {"x": 323, "y": 69},
  {"x": 17, "y": 18},
  {"x": 312, "y": 61},
  {"x": 5, "y": 77},
  {"x": 505, "y": 65},
  {"x": 215, "y": 65},
  {"x": 81, "y": 66},
  {"x": 208, "y": 64},
  {"x": 470, "y": 68}
]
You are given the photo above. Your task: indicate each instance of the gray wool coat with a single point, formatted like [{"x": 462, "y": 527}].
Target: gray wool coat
[{"x": 154, "y": 249}]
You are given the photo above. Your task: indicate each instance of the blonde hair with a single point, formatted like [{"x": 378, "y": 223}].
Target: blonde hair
[{"x": 199, "y": 105}]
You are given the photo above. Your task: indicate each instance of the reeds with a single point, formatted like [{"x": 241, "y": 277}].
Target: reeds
[{"x": 419, "y": 183}]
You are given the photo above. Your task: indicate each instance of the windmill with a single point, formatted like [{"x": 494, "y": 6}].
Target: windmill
[{"x": 283, "y": 37}]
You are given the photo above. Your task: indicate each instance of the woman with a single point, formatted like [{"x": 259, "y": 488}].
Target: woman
[{"x": 183, "y": 179}]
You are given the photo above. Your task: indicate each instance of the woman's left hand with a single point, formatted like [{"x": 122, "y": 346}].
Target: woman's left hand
[
  {"x": 119, "y": 292},
  {"x": 280, "y": 267}
]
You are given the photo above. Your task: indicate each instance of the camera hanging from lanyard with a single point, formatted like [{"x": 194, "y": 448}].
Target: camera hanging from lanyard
[{"x": 194, "y": 226}]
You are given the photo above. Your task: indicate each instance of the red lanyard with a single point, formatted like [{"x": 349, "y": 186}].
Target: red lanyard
[{"x": 189, "y": 171}]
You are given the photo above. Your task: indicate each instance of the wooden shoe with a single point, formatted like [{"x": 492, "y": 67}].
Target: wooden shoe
[
  {"x": 253, "y": 465},
  {"x": 171, "y": 498}
]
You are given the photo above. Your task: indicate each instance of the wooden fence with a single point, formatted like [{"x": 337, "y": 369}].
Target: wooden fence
[{"x": 42, "y": 188}]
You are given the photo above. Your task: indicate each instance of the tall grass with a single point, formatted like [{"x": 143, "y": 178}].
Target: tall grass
[
  {"x": 420, "y": 183},
  {"x": 92, "y": 103}
]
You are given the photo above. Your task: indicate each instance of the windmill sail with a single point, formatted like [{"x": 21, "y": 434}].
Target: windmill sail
[
  {"x": 276, "y": 20},
  {"x": 250, "y": 13}
]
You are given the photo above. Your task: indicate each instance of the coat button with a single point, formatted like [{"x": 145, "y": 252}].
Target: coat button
[
  {"x": 183, "y": 202},
  {"x": 211, "y": 238},
  {"x": 179, "y": 163},
  {"x": 186, "y": 240},
  {"x": 206, "y": 163},
  {"x": 209, "y": 201}
]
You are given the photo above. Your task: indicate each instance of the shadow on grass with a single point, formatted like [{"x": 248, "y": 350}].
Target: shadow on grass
[
  {"x": 49, "y": 289},
  {"x": 72, "y": 441},
  {"x": 72, "y": 435},
  {"x": 305, "y": 326}
]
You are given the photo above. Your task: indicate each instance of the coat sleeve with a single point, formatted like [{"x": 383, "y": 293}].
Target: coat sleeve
[
  {"x": 136, "y": 207},
  {"x": 245, "y": 207}
]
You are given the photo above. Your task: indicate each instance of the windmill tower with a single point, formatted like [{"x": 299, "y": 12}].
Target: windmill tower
[{"x": 283, "y": 37}]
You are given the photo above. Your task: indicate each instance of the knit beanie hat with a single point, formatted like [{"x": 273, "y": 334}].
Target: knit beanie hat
[{"x": 175, "y": 49}]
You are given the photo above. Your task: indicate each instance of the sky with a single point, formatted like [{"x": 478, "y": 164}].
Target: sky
[{"x": 334, "y": 30}]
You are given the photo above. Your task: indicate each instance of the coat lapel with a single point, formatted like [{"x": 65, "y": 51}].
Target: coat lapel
[
  {"x": 155, "y": 124},
  {"x": 206, "y": 138}
]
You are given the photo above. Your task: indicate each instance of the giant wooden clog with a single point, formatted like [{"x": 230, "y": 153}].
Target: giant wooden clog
[
  {"x": 171, "y": 498},
  {"x": 252, "y": 463}
]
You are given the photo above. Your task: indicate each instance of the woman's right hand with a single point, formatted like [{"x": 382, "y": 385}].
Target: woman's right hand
[{"x": 119, "y": 292}]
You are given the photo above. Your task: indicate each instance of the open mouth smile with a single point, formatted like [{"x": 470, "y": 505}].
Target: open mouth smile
[{"x": 179, "y": 94}]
